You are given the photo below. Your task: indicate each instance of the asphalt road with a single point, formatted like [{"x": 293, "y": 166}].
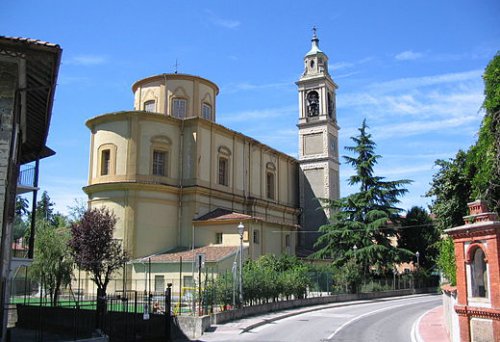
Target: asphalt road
[{"x": 382, "y": 320}]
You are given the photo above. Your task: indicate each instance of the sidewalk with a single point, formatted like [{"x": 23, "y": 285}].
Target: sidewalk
[{"x": 430, "y": 326}]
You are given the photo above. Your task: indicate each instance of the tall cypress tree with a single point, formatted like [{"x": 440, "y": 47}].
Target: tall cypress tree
[{"x": 364, "y": 219}]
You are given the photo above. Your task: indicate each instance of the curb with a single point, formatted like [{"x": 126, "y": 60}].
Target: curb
[
  {"x": 323, "y": 307},
  {"x": 415, "y": 329}
]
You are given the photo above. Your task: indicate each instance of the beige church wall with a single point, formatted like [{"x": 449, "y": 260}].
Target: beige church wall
[
  {"x": 255, "y": 171},
  {"x": 114, "y": 201},
  {"x": 150, "y": 91},
  {"x": 272, "y": 238},
  {"x": 293, "y": 187},
  {"x": 205, "y": 234},
  {"x": 155, "y": 227},
  {"x": 110, "y": 133},
  {"x": 189, "y": 160},
  {"x": 239, "y": 165},
  {"x": 283, "y": 181},
  {"x": 149, "y": 130},
  {"x": 205, "y": 154}
]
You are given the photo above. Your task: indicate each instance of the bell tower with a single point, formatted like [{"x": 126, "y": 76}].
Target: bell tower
[{"x": 318, "y": 143}]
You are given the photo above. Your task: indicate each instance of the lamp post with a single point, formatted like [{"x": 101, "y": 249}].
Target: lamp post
[
  {"x": 241, "y": 229},
  {"x": 235, "y": 267},
  {"x": 417, "y": 254}
]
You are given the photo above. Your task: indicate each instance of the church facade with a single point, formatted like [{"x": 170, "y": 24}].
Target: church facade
[{"x": 180, "y": 183}]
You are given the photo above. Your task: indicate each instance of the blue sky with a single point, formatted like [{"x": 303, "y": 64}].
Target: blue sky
[{"x": 411, "y": 68}]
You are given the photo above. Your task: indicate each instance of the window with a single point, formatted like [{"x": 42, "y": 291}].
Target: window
[
  {"x": 105, "y": 162},
  {"x": 479, "y": 275},
  {"x": 287, "y": 240},
  {"x": 270, "y": 185},
  {"x": 218, "y": 238},
  {"x": 256, "y": 236},
  {"x": 159, "y": 163},
  {"x": 271, "y": 180},
  {"x": 150, "y": 106},
  {"x": 206, "y": 111},
  {"x": 179, "y": 108},
  {"x": 188, "y": 281},
  {"x": 223, "y": 171},
  {"x": 159, "y": 283}
]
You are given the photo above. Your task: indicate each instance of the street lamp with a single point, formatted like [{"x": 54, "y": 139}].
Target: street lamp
[
  {"x": 417, "y": 254},
  {"x": 241, "y": 229}
]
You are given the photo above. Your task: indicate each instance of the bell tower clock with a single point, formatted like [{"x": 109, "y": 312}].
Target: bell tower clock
[{"x": 318, "y": 144}]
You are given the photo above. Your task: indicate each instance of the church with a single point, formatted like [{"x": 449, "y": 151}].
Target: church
[{"x": 180, "y": 184}]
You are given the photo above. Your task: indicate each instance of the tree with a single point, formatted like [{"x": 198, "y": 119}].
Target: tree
[
  {"x": 446, "y": 260},
  {"x": 364, "y": 219},
  {"x": 45, "y": 209},
  {"x": 20, "y": 226},
  {"x": 53, "y": 264},
  {"x": 418, "y": 234},
  {"x": 451, "y": 186},
  {"x": 95, "y": 251},
  {"x": 77, "y": 210},
  {"x": 491, "y": 127}
]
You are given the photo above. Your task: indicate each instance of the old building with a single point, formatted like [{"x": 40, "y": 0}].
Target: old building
[
  {"x": 477, "y": 253},
  {"x": 178, "y": 181},
  {"x": 28, "y": 75}
]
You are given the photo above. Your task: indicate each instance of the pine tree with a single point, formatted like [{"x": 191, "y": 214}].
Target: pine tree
[{"x": 364, "y": 219}]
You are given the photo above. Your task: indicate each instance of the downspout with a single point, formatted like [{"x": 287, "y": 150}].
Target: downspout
[{"x": 181, "y": 176}]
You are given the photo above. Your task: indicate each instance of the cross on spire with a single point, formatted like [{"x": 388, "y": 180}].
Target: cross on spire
[
  {"x": 314, "y": 32},
  {"x": 176, "y": 65}
]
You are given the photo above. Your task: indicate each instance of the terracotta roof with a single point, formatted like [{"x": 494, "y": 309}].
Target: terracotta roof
[
  {"x": 29, "y": 41},
  {"x": 220, "y": 214},
  {"x": 212, "y": 254}
]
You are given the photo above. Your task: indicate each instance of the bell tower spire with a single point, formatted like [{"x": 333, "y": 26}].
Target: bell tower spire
[{"x": 318, "y": 142}]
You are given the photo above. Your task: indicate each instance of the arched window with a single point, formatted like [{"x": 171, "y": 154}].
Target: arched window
[
  {"x": 150, "y": 106},
  {"x": 223, "y": 171},
  {"x": 160, "y": 152},
  {"x": 179, "y": 108},
  {"x": 223, "y": 165},
  {"x": 107, "y": 156},
  {"x": 313, "y": 103},
  {"x": 206, "y": 111},
  {"x": 270, "y": 180},
  {"x": 479, "y": 275}
]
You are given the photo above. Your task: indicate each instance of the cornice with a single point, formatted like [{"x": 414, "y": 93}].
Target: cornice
[
  {"x": 166, "y": 77},
  {"x": 468, "y": 311}
]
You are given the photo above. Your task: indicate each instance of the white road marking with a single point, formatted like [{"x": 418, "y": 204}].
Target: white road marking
[{"x": 364, "y": 315}]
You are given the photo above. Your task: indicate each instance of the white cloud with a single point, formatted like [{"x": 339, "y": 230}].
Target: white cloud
[
  {"x": 222, "y": 22},
  {"x": 86, "y": 60},
  {"x": 408, "y": 55},
  {"x": 425, "y": 81},
  {"x": 411, "y": 128}
]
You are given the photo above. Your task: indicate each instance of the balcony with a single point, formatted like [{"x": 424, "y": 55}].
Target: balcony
[{"x": 26, "y": 182}]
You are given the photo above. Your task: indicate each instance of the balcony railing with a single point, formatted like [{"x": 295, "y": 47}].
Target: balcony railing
[{"x": 27, "y": 177}]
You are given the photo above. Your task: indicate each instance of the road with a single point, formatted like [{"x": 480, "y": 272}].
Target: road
[{"x": 381, "y": 320}]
